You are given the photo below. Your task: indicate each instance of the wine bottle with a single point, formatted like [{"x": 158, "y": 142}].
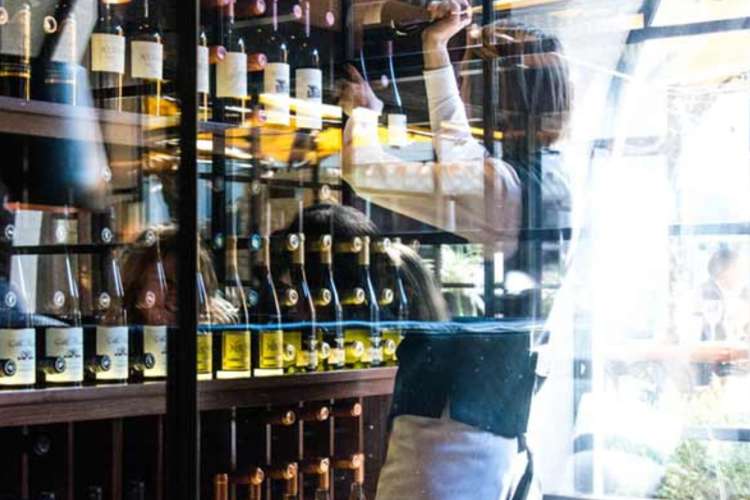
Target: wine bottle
[
  {"x": 347, "y": 409},
  {"x": 320, "y": 467},
  {"x": 250, "y": 8},
  {"x": 328, "y": 304},
  {"x": 221, "y": 487},
  {"x": 231, "y": 72},
  {"x": 63, "y": 304},
  {"x": 111, "y": 338},
  {"x": 147, "y": 58},
  {"x": 300, "y": 316},
  {"x": 394, "y": 304},
  {"x": 360, "y": 304},
  {"x": 253, "y": 478},
  {"x": 108, "y": 57},
  {"x": 15, "y": 50},
  {"x": 283, "y": 418},
  {"x": 203, "y": 73},
  {"x": 265, "y": 313},
  {"x": 56, "y": 78},
  {"x": 204, "y": 335},
  {"x": 17, "y": 335},
  {"x": 355, "y": 463},
  {"x": 308, "y": 80},
  {"x": 235, "y": 343},
  {"x": 152, "y": 305},
  {"x": 288, "y": 473},
  {"x": 315, "y": 413},
  {"x": 276, "y": 74}
]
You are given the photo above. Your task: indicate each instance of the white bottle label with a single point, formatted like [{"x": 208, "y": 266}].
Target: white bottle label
[
  {"x": 108, "y": 53},
  {"x": 112, "y": 341},
  {"x": 16, "y": 35},
  {"x": 66, "y": 343},
  {"x": 146, "y": 60},
  {"x": 231, "y": 75},
  {"x": 309, "y": 92},
  {"x": 155, "y": 343},
  {"x": 202, "y": 69},
  {"x": 276, "y": 90},
  {"x": 19, "y": 345}
]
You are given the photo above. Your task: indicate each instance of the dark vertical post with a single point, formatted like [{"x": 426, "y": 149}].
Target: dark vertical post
[
  {"x": 489, "y": 105},
  {"x": 182, "y": 425}
]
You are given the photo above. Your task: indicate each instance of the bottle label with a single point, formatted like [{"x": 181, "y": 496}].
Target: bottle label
[
  {"x": 155, "y": 343},
  {"x": 276, "y": 90},
  {"x": 66, "y": 343},
  {"x": 202, "y": 70},
  {"x": 235, "y": 354},
  {"x": 65, "y": 51},
  {"x": 271, "y": 349},
  {"x": 373, "y": 350},
  {"x": 309, "y": 92},
  {"x": 337, "y": 356},
  {"x": 16, "y": 36},
  {"x": 108, "y": 53},
  {"x": 112, "y": 341},
  {"x": 19, "y": 345},
  {"x": 204, "y": 354},
  {"x": 231, "y": 75},
  {"x": 146, "y": 60}
]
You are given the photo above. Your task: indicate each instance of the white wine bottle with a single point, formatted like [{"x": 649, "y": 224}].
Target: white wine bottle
[
  {"x": 204, "y": 335},
  {"x": 265, "y": 313},
  {"x": 151, "y": 305},
  {"x": 328, "y": 304},
  {"x": 300, "y": 330},
  {"x": 235, "y": 342},
  {"x": 308, "y": 80}
]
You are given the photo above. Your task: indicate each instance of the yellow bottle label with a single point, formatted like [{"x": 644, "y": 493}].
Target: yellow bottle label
[
  {"x": 271, "y": 349},
  {"x": 373, "y": 348},
  {"x": 391, "y": 341},
  {"x": 235, "y": 354},
  {"x": 204, "y": 355},
  {"x": 292, "y": 348}
]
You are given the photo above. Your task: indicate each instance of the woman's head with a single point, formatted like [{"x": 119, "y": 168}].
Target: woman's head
[{"x": 534, "y": 87}]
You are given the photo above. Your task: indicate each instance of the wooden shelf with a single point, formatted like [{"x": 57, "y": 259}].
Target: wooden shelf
[{"x": 33, "y": 407}]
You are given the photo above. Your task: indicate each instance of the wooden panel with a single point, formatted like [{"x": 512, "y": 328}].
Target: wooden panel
[{"x": 31, "y": 407}]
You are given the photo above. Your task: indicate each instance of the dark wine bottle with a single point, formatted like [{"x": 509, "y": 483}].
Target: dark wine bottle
[
  {"x": 308, "y": 80},
  {"x": 265, "y": 313},
  {"x": 15, "y": 50},
  {"x": 204, "y": 335},
  {"x": 147, "y": 58},
  {"x": 235, "y": 342},
  {"x": 56, "y": 75},
  {"x": 112, "y": 333},
  {"x": 203, "y": 74},
  {"x": 394, "y": 304},
  {"x": 108, "y": 58},
  {"x": 300, "y": 317},
  {"x": 276, "y": 74},
  {"x": 360, "y": 305},
  {"x": 328, "y": 304},
  {"x": 231, "y": 71}
]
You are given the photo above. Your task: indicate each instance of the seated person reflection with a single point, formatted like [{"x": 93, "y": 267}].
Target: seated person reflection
[
  {"x": 149, "y": 274},
  {"x": 461, "y": 401}
]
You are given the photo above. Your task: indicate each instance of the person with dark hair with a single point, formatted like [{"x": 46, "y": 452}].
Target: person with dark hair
[{"x": 462, "y": 400}]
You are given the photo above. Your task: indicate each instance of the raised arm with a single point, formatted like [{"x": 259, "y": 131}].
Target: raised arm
[{"x": 452, "y": 138}]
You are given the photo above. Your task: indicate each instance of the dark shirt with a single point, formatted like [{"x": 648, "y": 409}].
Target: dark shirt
[{"x": 485, "y": 374}]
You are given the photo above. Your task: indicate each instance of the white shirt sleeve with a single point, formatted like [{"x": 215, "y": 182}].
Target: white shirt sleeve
[{"x": 452, "y": 137}]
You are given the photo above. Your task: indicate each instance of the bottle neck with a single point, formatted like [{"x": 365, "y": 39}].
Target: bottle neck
[
  {"x": 307, "y": 20},
  {"x": 275, "y": 15}
]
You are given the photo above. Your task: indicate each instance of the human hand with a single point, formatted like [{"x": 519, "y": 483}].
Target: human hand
[
  {"x": 449, "y": 17},
  {"x": 357, "y": 93}
]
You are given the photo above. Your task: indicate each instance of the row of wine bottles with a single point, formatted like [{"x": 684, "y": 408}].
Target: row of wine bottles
[
  {"x": 134, "y": 490},
  {"x": 270, "y": 326},
  {"x": 235, "y": 62},
  {"x": 255, "y": 478}
]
